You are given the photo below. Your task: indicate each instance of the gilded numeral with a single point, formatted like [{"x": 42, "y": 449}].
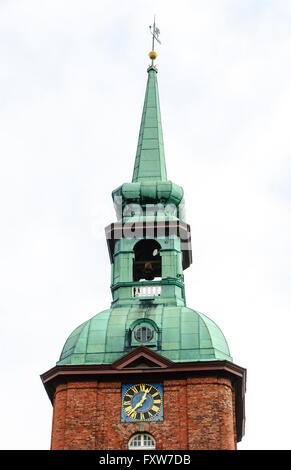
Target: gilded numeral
[
  {"x": 157, "y": 401},
  {"x": 128, "y": 409},
  {"x": 133, "y": 414},
  {"x": 155, "y": 408}
]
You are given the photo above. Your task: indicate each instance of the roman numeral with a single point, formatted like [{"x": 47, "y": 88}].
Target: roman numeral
[
  {"x": 132, "y": 414},
  {"x": 155, "y": 408}
]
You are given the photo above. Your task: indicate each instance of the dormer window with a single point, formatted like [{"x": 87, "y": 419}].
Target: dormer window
[
  {"x": 143, "y": 332},
  {"x": 147, "y": 260}
]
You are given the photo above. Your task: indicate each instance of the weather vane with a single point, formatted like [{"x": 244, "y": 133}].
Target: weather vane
[{"x": 155, "y": 32}]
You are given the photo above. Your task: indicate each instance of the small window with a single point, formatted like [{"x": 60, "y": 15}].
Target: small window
[
  {"x": 141, "y": 441},
  {"x": 143, "y": 334}
]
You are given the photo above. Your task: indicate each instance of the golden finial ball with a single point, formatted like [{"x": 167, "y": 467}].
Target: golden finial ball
[{"x": 153, "y": 55}]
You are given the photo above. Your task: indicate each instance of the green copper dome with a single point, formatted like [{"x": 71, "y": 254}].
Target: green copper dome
[{"x": 179, "y": 334}]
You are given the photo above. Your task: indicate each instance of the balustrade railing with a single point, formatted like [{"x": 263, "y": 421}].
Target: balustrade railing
[{"x": 147, "y": 291}]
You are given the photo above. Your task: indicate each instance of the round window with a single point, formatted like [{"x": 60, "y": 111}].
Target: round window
[{"x": 143, "y": 334}]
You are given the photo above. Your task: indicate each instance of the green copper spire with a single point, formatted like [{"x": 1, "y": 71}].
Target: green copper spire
[
  {"x": 150, "y": 162},
  {"x": 150, "y": 187}
]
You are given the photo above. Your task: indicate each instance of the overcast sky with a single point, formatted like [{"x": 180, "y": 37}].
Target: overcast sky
[{"x": 72, "y": 83}]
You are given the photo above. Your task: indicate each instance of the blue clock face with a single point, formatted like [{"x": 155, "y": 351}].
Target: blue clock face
[{"x": 142, "y": 402}]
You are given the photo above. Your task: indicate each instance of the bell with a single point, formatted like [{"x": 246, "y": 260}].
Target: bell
[{"x": 148, "y": 271}]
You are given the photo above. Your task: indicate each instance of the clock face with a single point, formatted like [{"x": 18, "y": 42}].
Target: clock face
[{"x": 142, "y": 402}]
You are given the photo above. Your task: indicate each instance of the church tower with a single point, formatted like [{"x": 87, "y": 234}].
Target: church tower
[{"x": 149, "y": 372}]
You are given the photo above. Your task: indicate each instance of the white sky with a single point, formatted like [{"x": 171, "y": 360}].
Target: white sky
[{"x": 72, "y": 83}]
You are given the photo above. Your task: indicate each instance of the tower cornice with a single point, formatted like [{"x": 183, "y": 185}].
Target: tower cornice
[
  {"x": 143, "y": 229},
  {"x": 160, "y": 368}
]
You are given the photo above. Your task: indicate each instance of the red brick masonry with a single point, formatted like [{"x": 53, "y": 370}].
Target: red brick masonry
[{"x": 203, "y": 404}]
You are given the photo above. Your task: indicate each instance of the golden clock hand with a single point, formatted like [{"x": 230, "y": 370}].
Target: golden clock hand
[
  {"x": 137, "y": 405},
  {"x": 144, "y": 397},
  {"x": 141, "y": 401}
]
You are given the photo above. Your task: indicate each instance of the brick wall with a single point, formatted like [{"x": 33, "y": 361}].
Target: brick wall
[{"x": 198, "y": 414}]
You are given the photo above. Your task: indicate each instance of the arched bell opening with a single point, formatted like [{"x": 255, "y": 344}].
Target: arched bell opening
[{"x": 147, "y": 263}]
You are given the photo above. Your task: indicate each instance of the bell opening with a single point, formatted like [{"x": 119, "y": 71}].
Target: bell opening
[{"x": 147, "y": 263}]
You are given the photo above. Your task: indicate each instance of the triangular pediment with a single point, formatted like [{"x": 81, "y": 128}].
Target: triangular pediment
[{"x": 142, "y": 358}]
